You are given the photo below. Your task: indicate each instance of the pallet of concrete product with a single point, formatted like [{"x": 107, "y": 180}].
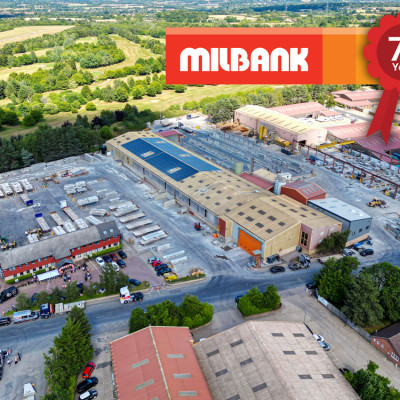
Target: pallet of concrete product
[
  {"x": 124, "y": 204},
  {"x": 1, "y": 194},
  {"x": 43, "y": 224},
  {"x": 69, "y": 186},
  {"x": 70, "y": 213},
  {"x": 125, "y": 211},
  {"x": 58, "y": 231},
  {"x": 98, "y": 212},
  {"x": 69, "y": 226},
  {"x": 163, "y": 247},
  {"x": 17, "y": 188},
  {"x": 111, "y": 195},
  {"x": 132, "y": 217},
  {"x": 56, "y": 218},
  {"x": 147, "y": 229},
  {"x": 115, "y": 200},
  {"x": 7, "y": 189},
  {"x": 93, "y": 220},
  {"x": 152, "y": 237},
  {"x": 87, "y": 201},
  {"x": 175, "y": 254},
  {"x": 33, "y": 238},
  {"x": 26, "y": 185},
  {"x": 138, "y": 224},
  {"x": 179, "y": 260},
  {"x": 81, "y": 224}
]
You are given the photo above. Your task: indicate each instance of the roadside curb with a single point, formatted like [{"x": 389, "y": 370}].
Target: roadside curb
[
  {"x": 261, "y": 314},
  {"x": 202, "y": 326},
  {"x": 262, "y": 269},
  {"x": 171, "y": 285}
]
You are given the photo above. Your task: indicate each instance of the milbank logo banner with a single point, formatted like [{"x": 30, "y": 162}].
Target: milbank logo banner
[{"x": 267, "y": 56}]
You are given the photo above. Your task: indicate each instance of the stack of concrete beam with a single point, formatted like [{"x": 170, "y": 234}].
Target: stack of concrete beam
[
  {"x": 17, "y": 187},
  {"x": 153, "y": 237},
  {"x": 138, "y": 224},
  {"x": 87, "y": 201},
  {"x": 93, "y": 220},
  {"x": 69, "y": 227},
  {"x": 81, "y": 224},
  {"x": 57, "y": 219},
  {"x": 58, "y": 231},
  {"x": 26, "y": 185},
  {"x": 145, "y": 230}
]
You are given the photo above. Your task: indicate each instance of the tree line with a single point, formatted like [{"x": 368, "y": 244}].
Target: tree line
[
  {"x": 191, "y": 313},
  {"x": 369, "y": 297},
  {"x": 47, "y": 144}
]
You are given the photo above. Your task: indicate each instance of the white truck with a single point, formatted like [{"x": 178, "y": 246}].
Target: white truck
[{"x": 124, "y": 295}]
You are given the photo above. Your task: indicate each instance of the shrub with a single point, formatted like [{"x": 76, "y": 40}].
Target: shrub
[
  {"x": 74, "y": 111},
  {"x": 256, "y": 302},
  {"x": 50, "y": 108},
  {"x": 90, "y": 107},
  {"x": 106, "y": 251},
  {"x": 28, "y": 120}
]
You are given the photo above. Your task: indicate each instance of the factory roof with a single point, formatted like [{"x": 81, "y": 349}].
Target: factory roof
[
  {"x": 360, "y": 95},
  {"x": 352, "y": 103},
  {"x": 340, "y": 209},
  {"x": 279, "y": 120},
  {"x": 224, "y": 193},
  {"x": 300, "y": 108},
  {"x": 163, "y": 155},
  {"x": 157, "y": 362},
  {"x": 308, "y": 189},
  {"x": 265, "y": 174},
  {"x": 169, "y": 132},
  {"x": 270, "y": 360},
  {"x": 57, "y": 246},
  {"x": 263, "y": 183}
]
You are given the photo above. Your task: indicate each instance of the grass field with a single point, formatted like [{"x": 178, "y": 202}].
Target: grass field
[
  {"x": 159, "y": 103},
  {"x": 132, "y": 52},
  {"x": 26, "y": 32}
]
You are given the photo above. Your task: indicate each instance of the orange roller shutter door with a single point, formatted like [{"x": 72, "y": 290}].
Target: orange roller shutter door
[{"x": 248, "y": 243}]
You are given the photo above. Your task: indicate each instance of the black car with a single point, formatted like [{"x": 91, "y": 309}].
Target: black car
[
  {"x": 134, "y": 282},
  {"x": 366, "y": 252},
  {"x": 5, "y": 321},
  {"x": 277, "y": 269},
  {"x": 311, "y": 285},
  {"x": 87, "y": 384},
  {"x": 121, "y": 263},
  {"x": 137, "y": 296},
  {"x": 8, "y": 293},
  {"x": 294, "y": 266},
  {"x": 161, "y": 266},
  {"x": 163, "y": 271},
  {"x": 122, "y": 254}
]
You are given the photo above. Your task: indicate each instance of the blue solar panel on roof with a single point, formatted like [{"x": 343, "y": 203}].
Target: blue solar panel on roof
[
  {"x": 142, "y": 149},
  {"x": 171, "y": 160},
  {"x": 181, "y": 154}
]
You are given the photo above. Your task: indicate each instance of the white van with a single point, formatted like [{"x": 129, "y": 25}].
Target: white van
[{"x": 26, "y": 315}]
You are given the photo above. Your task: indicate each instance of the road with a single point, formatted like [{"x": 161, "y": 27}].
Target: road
[{"x": 32, "y": 339}]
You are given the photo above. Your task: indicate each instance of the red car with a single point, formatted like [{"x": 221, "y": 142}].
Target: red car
[
  {"x": 156, "y": 263},
  {"x": 90, "y": 366},
  {"x": 114, "y": 257}
]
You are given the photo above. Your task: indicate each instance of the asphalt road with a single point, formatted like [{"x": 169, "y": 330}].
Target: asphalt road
[{"x": 32, "y": 339}]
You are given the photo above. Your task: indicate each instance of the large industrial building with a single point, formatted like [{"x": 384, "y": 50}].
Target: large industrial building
[
  {"x": 47, "y": 253},
  {"x": 352, "y": 218},
  {"x": 310, "y": 109},
  {"x": 238, "y": 209},
  {"x": 157, "y": 362},
  {"x": 358, "y": 99},
  {"x": 270, "y": 122},
  {"x": 270, "y": 360}
]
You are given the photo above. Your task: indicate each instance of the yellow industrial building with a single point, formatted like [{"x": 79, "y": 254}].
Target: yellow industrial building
[{"x": 254, "y": 218}]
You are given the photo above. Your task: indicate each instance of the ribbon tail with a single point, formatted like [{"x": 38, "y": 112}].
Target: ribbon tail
[{"x": 383, "y": 117}]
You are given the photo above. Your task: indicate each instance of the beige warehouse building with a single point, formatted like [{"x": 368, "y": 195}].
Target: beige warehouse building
[
  {"x": 254, "y": 218},
  {"x": 262, "y": 119}
]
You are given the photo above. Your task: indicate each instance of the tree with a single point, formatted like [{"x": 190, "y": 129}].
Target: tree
[
  {"x": 335, "y": 277},
  {"x": 105, "y": 132},
  {"x": 138, "y": 320},
  {"x": 138, "y": 92},
  {"x": 121, "y": 95},
  {"x": 91, "y": 107},
  {"x": 86, "y": 92},
  {"x": 27, "y": 158},
  {"x": 361, "y": 304},
  {"x": 179, "y": 88},
  {"x": 23, "y": 302},
  {"x": 222, "y": 110},
  {"x": 71, "y": 292},
  {"x": 42, "y": 298},
  {"x": 272, "y": 300},
  {"x": 336, "y": 242},
  {"x": 111, "y": 280},
  {"x": 37, "y": 115},
  {"x": 28, "y": 120},
  {"x": 371, "y": 386}
]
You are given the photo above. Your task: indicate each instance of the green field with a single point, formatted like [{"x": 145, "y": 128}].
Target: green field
[
  {"x": 159, "y": 103},
  {"x": 27, "y": 32}
]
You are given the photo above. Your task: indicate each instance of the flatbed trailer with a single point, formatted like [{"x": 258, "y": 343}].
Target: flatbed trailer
[
  {"x": 70, "y": 213},
  {"x": 42, "y": 223},
  {"x": 125, "y": 211},
  {"x": 153, "y": 237},
  {"x": 132, "y": 217},
  {"x": 56, "y": 218}
]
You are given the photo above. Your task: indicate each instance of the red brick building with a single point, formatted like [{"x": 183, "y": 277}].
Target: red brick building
[
  {"x": 47, "y": 252},
  {"x": 387, "y": 341},
  {"x": 303, "y": 191}
]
